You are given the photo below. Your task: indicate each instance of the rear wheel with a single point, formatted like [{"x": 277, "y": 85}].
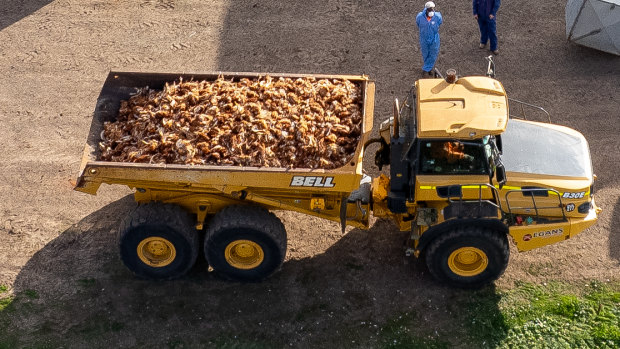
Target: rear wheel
[
  {"x": 245, "y": 243},
  {"x": 158, "y": 241},
  {"x": 468, "y": 257}
]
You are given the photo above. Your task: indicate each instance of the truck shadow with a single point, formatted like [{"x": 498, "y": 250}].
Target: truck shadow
[
  {"x": 75, "y": 292},
  {"x": 14, "y": 11}
]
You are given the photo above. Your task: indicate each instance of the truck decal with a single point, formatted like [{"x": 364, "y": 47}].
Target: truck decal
[
  {"x": 312, "y": 181},
  {"x": 577, "y": 195},
  {"x": 548, "y": 233}
]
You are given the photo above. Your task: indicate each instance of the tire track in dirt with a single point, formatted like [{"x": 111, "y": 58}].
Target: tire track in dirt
[
  {"x": 159, "y": 4},
  {"x": 150, "y": 24},
  {"x": 328, "y": 278}
]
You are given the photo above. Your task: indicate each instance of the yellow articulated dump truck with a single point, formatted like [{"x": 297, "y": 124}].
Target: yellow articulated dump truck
[{"x": 464, "y": 179}]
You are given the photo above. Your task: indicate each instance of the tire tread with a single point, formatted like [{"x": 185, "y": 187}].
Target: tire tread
[
  {"x": 170, "y": 215},
  {"x": 249, "y": 217},
  {"x": 496, "y": 238}
]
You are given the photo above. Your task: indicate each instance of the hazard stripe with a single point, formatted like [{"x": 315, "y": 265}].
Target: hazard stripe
[{"x": 432, "y": 187}]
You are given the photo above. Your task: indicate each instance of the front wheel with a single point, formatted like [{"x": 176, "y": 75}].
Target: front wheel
[
  {"x": 468, "y": 257},
  {"x": 245, "y": 243}
]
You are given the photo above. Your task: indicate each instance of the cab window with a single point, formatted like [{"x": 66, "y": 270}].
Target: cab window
[{"x": 451, "y": 157}]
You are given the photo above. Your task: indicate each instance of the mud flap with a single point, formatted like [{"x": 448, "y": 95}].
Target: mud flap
[{"x": 343, "y": 214}]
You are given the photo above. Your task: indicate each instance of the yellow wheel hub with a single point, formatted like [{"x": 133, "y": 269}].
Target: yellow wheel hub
[
  {"x": 244, "y": 254},
  {"x": 156, "y": 252},
  {"x": 468, "y": 261}
]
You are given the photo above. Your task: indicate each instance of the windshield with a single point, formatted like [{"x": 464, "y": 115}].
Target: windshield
[{"x": 542, "y": 149}]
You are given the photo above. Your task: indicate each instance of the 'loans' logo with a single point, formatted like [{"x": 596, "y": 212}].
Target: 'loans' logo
[
  {"x": 549, "y": 233},
  {"x": 312, "y": 181}
]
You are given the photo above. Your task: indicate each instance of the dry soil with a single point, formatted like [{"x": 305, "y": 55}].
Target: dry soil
[{"x": 61, "y": 244}]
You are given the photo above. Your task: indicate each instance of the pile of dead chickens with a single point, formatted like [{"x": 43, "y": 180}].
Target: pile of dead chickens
[{"x": 264, "y": 122}]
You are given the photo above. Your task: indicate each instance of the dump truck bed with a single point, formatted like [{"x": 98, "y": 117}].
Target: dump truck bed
[{"x": 121, "y": 86}]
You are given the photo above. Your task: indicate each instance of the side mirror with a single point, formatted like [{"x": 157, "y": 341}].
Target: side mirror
[
  {"x": 500, "y": 175},
  {"x": 488, "y": 153},
  {"x": 490, "y": 67},
  {"x": 498, "y": 143}
]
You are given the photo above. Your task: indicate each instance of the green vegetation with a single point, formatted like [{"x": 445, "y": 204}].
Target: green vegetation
[
  {"x": 90, "y": 282},
  {"x": 97, "y": 328},
  {"x": 554, "y": 315},
  {"x": 7, "y": 339},
  {"x": 5, "y": 302},
  {"x": 398, "y": 333},
  {"x": 32, "y": 294}
]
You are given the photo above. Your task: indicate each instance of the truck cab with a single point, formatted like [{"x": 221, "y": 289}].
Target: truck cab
[{"x": 464, "y": 176}]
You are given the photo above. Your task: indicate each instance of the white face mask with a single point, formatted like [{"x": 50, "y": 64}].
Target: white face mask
[{"x": 431, "y": 13}]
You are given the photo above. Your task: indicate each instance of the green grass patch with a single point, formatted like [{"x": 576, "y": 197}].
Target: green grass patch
[
  {"x": 554, "y": 315},
  {"x": 7, "y": 341},
  {"x": 399, "y": 333},
  {"x": 87, "y": 282},
  {"x": 3, "y": 289},
  {"x": 5, "y": 303},
  {"x": 97, "y": 328},
  {"x": 32, "y": 294},
  {"x": 484, "y": 321}
]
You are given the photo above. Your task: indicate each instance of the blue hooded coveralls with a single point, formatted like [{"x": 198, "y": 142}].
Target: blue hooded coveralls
[
  {"x": 484, "y": 8},
  {"x": 429, "y": 38}
]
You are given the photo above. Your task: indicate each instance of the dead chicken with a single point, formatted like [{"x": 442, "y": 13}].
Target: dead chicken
[{"x": 283, "y": 122}]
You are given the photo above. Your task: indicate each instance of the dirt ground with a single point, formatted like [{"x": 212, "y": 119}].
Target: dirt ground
[{"x": 55, "y": 55}]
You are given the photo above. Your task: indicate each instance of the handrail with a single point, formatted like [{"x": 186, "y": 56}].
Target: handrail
[
  {"x": 494, "y": 191},
  {"x": 521, "y": 104},
  {"x": 536, "y": 208},
  {"x": 509, "y": 209}
]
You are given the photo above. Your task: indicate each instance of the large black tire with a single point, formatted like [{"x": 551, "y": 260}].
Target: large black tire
[
  {"x": 468, "y": 256},
  {"x": 159, "y": 241},
  {"x": 245, "y": 243}
]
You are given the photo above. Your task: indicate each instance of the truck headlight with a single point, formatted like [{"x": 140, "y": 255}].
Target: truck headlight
[{"x": 585, "y": 207}]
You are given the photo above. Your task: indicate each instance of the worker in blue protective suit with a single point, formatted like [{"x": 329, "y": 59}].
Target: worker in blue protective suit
[
  {"x": 428, "y": 22},
  {"x": 485, "y": 12}
]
